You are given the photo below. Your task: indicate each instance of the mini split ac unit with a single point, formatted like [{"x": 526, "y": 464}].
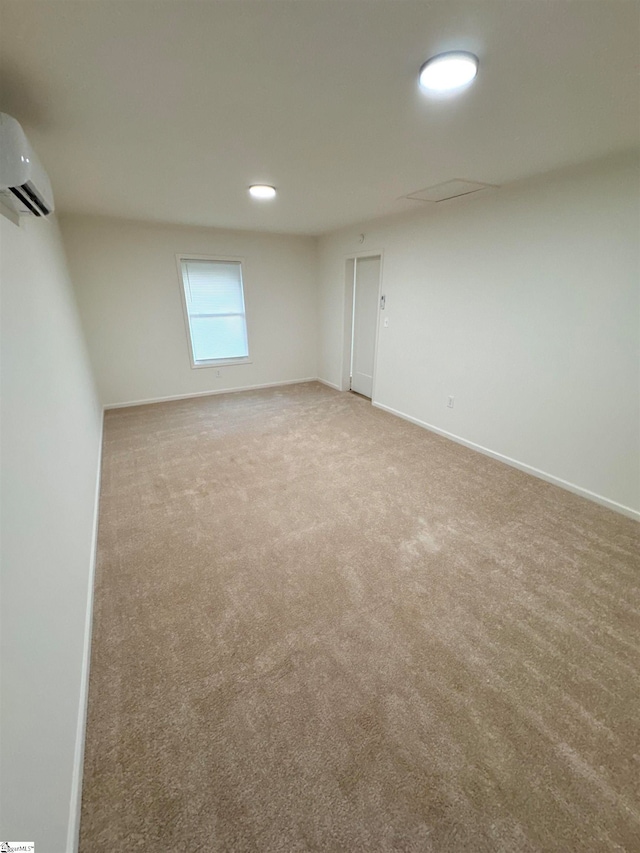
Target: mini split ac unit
[{"x": 24, "y": 184}]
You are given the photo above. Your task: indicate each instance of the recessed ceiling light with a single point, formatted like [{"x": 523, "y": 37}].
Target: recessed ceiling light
[
  {"x": 262, "y": 191},
  {"x": 448, "y": 71}
]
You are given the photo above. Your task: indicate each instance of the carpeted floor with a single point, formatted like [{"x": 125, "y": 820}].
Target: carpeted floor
[{"x": 320, "y": 628}]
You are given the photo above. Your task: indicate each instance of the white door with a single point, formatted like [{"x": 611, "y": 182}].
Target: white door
[{"x": 365, "y": 318}]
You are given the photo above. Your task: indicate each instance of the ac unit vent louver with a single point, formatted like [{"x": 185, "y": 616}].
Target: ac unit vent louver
[{"x": 24, "y": 184}]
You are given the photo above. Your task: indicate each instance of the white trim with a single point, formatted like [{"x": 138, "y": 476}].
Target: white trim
[
  {"x": 150, "y": 400},
  {"x": 348, "y": 295},
  {"x": 75, "y": 804},
  {"x": 221, "y": 362},
  {"x": 329, "y": 384},
  {"x": 369, "y": 253},
  {"x": 355, "y": 257},
  {"x": 352, "y": 324},
  {"x": 522, "y": 466},
  {"x": 379, "y": 319}
]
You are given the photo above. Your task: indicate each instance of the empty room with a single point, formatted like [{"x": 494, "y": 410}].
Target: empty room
[{"x": 320, "y": 426}]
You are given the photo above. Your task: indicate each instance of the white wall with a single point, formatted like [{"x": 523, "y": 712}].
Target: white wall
[
  {"x": 51, "y": 426},
  {"x": 524, "y": 305},
  {"x": 127, "y": 287}
]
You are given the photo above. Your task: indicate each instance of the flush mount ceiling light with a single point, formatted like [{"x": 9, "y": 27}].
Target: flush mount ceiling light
[
  {"x": 448, "y": 71},
  {"x": 262, "y": 191}
]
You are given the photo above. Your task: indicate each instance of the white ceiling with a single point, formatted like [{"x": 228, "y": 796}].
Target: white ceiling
[{"x": 167, "y": 110}]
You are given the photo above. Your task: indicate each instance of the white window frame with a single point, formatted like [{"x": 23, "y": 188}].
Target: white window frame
[{"x": 212, "y": 362}]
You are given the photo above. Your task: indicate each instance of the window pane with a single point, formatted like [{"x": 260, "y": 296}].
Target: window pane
[
  {"x": 215, "y": 309},
  {"x": 213, "y": 287},
  {"x": 218, "y": 337}
]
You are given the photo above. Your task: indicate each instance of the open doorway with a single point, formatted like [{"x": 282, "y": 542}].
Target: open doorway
[{"x": 362, "y": 299}]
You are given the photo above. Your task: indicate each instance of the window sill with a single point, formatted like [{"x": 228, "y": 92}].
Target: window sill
[{"x": 220, "y": 362}]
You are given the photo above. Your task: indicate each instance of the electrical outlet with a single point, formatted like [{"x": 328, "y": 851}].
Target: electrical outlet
[
  {"x": 386, "y": 322},
  {"x": 450, "y": 402},
  {"x": 218, "y": 374}
]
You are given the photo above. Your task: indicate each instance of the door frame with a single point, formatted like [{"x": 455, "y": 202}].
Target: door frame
[{"x": 349, "y": 266}]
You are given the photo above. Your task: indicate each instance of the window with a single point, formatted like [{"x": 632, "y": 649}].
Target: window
[{"x": 214, "y": 307}]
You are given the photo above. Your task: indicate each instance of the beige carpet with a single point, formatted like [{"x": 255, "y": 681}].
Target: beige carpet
[{"x": 320, "y": 628}]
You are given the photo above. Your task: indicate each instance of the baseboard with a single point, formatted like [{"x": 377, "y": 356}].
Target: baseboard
[
  {"x": 529, "y": 469},
  {"x": 329, "y": 384},
  {"x": 73, "y": 833},
  {"x": 150, "y": 400}
]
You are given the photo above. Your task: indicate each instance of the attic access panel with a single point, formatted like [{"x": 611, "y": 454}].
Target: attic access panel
[{"x": 449, "y": 189}]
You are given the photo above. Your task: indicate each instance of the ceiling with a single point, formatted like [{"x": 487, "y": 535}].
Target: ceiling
[{"x": 168, "y": 110}]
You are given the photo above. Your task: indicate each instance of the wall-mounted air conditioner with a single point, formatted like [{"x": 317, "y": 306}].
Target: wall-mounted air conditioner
[{"x": 24, "y": 184}]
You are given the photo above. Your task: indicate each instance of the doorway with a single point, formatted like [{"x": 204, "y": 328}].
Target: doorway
[{"x": 364, "y": 292}]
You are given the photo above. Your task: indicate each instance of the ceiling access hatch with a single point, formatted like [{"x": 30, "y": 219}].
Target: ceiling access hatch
[{"x": 449, "y": 189}]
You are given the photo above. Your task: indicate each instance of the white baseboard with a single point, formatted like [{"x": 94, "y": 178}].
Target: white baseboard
[
  {"x": 529, "y": 469},
  {"x": 329, "y": 384},
  {"x": 73, "y": 831},
  {"x": 151, "y": 400}
]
